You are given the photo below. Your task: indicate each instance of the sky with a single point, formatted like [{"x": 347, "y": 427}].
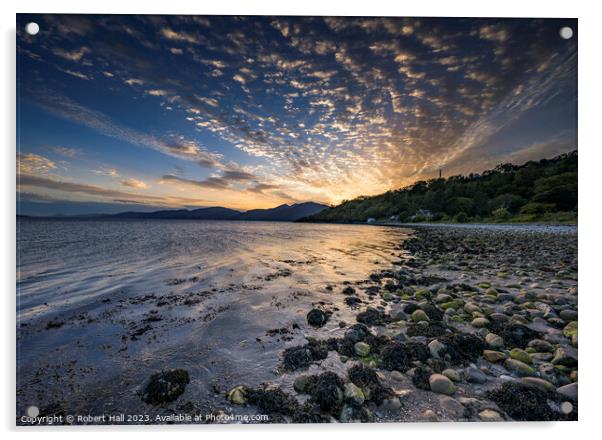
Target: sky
[{"x": 135, "y": 112}]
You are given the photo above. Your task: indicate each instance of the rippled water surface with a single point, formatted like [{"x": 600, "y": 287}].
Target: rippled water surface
[{"x": 101, "y": 305}]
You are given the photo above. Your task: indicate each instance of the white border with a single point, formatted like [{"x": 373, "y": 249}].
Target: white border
[{"x": 590, "y": 245}]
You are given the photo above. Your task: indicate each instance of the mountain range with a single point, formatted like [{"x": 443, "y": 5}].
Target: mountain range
[{"x": 279, "y": 213}]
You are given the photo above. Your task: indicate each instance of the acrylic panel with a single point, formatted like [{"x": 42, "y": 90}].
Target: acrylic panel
[{"x": 256, "y": 219}]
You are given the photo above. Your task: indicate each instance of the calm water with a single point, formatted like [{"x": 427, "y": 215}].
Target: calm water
[
  {"x": 128, "y": 298},
  {"x": 63, "y": 263}
]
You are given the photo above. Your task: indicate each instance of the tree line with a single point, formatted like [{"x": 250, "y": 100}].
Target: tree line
[{"x": 544, "y": 190}]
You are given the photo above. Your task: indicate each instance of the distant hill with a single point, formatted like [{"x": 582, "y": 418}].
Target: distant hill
[
  {"x": 537, "y": 191},
  {"x": 216, "y": 213},
  {"x": 284, "y": 212},
  {"x": 280, "y": 213}
]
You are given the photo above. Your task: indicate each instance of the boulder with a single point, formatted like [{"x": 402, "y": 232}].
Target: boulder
[
  {"x": 569, "y": 391},
  {"x": 519, "y": 368},
  {"x": 237, "y": 395},
  {"x": 419, "y": 316},
  {"x": 494, "y": 356},
  {"x": 494, "y": 341},
  {"x": 354, "y": 393},
  {"x": 521, "y": 355},
  {"x": 489, "y": 415},
  {"x": 361, "y": 349},
  {"x": 441, "y": 384},
  {"x": 566, "y": 356},
  {"x": 474, "y": 375}
]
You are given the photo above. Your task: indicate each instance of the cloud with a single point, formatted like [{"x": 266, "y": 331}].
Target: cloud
[
  {"x": 76, "y": 74},
  {"x": 261, "y": 187},
  {"x": 134, "y": 81},
  {"x": 47, "y": 183},
  {"x": 30, "y": 163},
  {"x": 329, "y": 108},
  {"x": 475, "y": 160},
  {"x": 110, "y": 172},
  {"x": 75, "y": 55},
  {"x": 156, "y": 92},
  {"x": 135, "y": 183},
  {"x": 66, "y": 151},
  {"x": 68, "y": 109},
  {"x": 237, "y": 175},
  {"x": 209, "y": 101},
  {"x": 494, "y": 33},
  {"x": 209, "y": 183},
  {"x": 239, "y": 78},
  {"x": 207, "y": 162},
  {"x": 224, "y": 180},
  {"x": 34, "y": 197},
  {"x": 179, "y": 36},
  {"x": 68, "y": 24},
  {"x": 97, "y": 191},
  {"x": 536, "y": 90}
]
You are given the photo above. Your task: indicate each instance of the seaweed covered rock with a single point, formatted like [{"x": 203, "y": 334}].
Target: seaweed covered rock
[
  {"x": 367, "y": 379},
  {"x": 326, "y": 390},
  {"x": 165, "y": 386},
  {"x": 515, "y": 335},
  {"x": 302, "y": 382},
  {"x": 433, "y": 313},
  {"x": 371, "y": 316},
  {"x": 461, "y": 348},
  {"x": 353, "y": 301},
  {"x": 317, "y": 318},
  {"x": 355, "y": 413},
  {"x": 410, "y": 308},
  {"x": 432, "y": 330},
  {"x": 272, "y": 400},
  {"x": 526, "y": 403},
  {"x": 400, "y": 355},
  {"x": 348, "y": 290},
  {"x": 295, "y": 358},
  {"x": 354, "y": 394},
  {"x": 307, "y": 415},
  {"x": 358, "y": 333},
  {"x": 420, "y": 378}
]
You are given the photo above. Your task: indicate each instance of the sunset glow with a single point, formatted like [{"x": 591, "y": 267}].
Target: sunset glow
[{"x": 139, "y": 112}]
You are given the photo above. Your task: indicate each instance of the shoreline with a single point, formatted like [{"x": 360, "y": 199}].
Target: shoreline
[
  {"x": 301, "y": 221},
  {"x": 408, "y": 343},
  {"x": 509, "y": 227},
  {"x": 490, "y": 348}
]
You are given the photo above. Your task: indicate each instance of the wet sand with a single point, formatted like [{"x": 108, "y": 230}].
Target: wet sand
[{"x": 95, "y": 321}]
